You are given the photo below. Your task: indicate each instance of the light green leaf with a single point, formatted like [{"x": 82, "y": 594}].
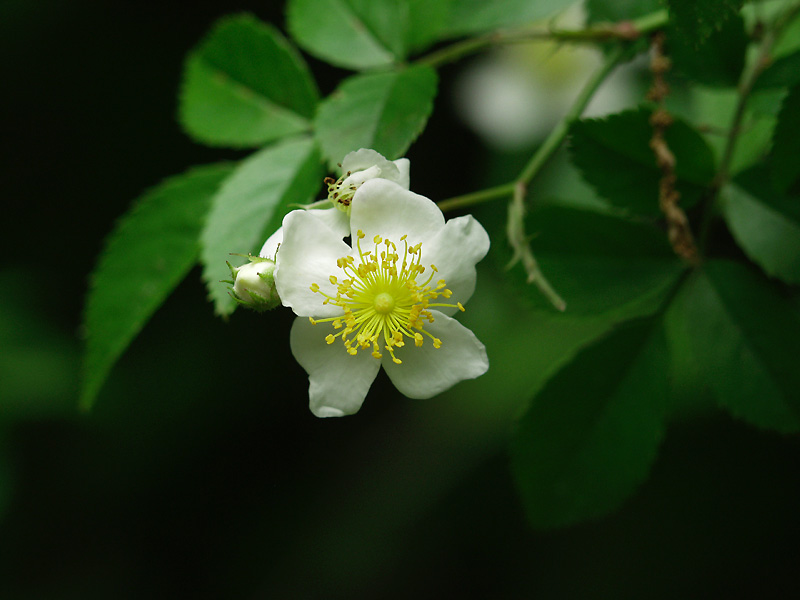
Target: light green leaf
[
  {"x": 745, "y": 338},
  {"x": 382, "y": 111},
  {"x": 765, "y": 223},
  {"x": 428, "y": 21},
  {"x": 591, "y": 434},
  {"x": 786, "y": 143},
  {"x": 615, "y": 157},
  {"x": 476, "y": 16},
  {"x": 355, "y": 34},
  {"x": 147, "y": 255},
  {"x": 250, "y": 206},
  {"x": 245, "y": 85}
]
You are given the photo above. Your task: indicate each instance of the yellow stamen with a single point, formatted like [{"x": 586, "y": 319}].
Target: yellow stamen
[{"x": 381, "y": 299}]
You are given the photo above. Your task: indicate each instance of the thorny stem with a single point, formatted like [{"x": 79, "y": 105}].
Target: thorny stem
[
  {"x": 624, "y": 30},
  {"x": 515, "y": 229},
  {"x": 745, "y": 88},
  {"x": 678, "y": 230}
]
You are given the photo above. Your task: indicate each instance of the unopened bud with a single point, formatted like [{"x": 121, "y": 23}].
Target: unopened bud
[{"x": 254, "y": 284}]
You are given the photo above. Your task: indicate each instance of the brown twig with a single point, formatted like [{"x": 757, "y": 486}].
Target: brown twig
[{"x": 678, "y": 231}]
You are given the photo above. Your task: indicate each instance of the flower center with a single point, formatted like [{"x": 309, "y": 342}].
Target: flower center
[{"x": 382, "y": 302}]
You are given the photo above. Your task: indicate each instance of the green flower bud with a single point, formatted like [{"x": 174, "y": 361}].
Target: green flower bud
[{"x": 254, "y": 284}]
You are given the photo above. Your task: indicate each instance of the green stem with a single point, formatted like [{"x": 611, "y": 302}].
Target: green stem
[
  {"x": 500, "y": 191},
  {"x": 556, "y": 137},
  {"x": 624, "y": 30}
]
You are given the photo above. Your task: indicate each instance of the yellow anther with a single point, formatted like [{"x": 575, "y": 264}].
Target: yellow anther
[
  {"x": 314, "y": 287},
  {"x": 381, "y": 299},
  {"x": 311, "y": 319}
]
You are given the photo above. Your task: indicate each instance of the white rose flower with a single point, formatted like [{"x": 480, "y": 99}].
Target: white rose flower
[
  {"x": 387, "y": 300},
  {"x": 358, "y": 167}
]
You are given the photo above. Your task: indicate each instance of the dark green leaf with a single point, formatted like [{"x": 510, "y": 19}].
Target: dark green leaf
[
  {"x": 620, "y": 10},
  {"x": 765, "y": 223},
  {"x": 615, "y": 157},
  {"x": 147, "y": 255},
  {"x": 784, "y": 72},
  {"x": 601, "y": 264},
  {"x": 718, "y": 60},
  {"x": 245, "y": 85},
  {"x": 250, "y": 206},
  {"x": 745, "y": 338},
  {"x": 591, "y": 434},
  {"x": 382, "y": 111},
  {"x": 696, "y": 21},
  {"x": 355, "y": 34},
  {"x": 786, "y": 143},
  {"x": 476, "y": 16}
]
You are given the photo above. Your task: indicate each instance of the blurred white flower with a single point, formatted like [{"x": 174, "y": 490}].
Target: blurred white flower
[{"x": 513, "y": 96}]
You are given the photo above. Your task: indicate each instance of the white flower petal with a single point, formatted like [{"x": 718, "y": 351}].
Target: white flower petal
[
  {"x": 338, "y": 222},
  {"x": 455, "y": 251},
  {"x": 404, "y": 176},
  {"x": 427, "y": 371},
  {"x": 382, "y": 207},
  {"x": 362, "y": 159},
  {"x": 338, "y": 382},
  {"x": 359, "y": 177},
  {"x": 270, "y": 247},
  {"x": 308, "y": 255}
]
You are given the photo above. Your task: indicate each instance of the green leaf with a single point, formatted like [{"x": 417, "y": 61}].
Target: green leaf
[
  {"x": 428, "y": 21},
  {"x": 355, "y": 34},
  {"x": 250, "y": 206},
  {"x": 477, "y": 16},
  {"x": 601, "y": 264},
  {"x": 620, "y": 10},
  {"x": 786, "y": 143},
  {"x": 245, "y": 85},
  {"x": 784, "y": 72},
  {"x": 718, "y": 60},
  {"x": 147, "y": 255},
  {"x": 592, "y": 433},
  {"x": 696, "y": 21},
  {"x": 615, "y": 157},
  {"x": 382, "y": 111},
  {"x": 765, "y": 223},
  {"x": 744, "y": 337}
]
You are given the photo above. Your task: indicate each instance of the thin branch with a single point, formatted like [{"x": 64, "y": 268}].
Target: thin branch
[
  {"x": 515, "y": 229},
  {"x": 623, "y": 31}
]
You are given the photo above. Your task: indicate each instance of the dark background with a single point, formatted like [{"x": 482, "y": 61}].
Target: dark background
[{"x": 201, "y": 472}]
